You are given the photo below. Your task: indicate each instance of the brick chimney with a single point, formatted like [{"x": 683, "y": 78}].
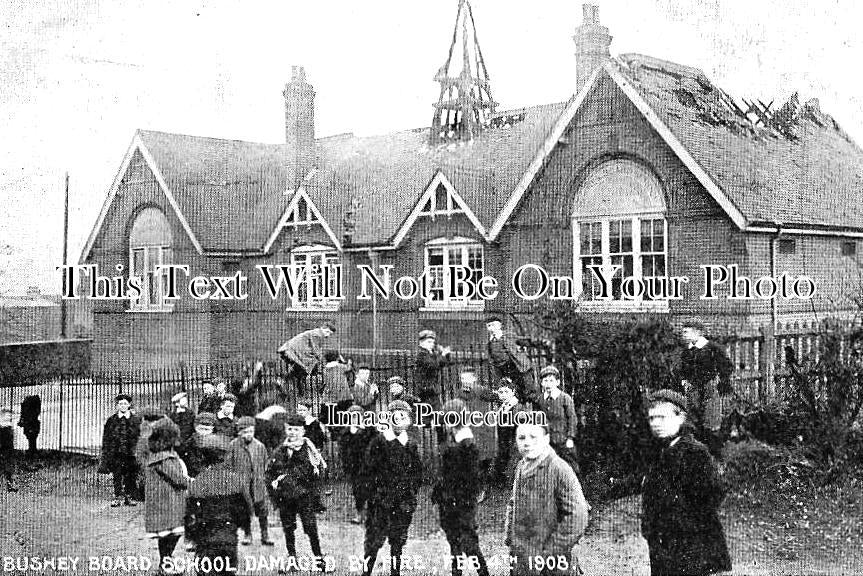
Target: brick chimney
[
  {"x": 299, "y": 126},
  {"x": 591, "y": 45}
]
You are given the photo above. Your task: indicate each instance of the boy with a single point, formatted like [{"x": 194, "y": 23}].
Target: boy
[
  {"x": 353, "y": 443},
  {"x": 31, "y": 409},
  {"x": 560, "y": 411},
  {"x": 7, "y": 448},
  {"x": 705, "y": 373},
  {"x": 303, "y": 354},
  {"x": 430, "y": 361},
  {"x": 212, "y": 396},
  {"x": 508, "y": 361},
  {"x": 190, "y": 450},
  {"x": 509, "y": 407},
  {"x": 225, "y": 417},
  {"x": 547, "y": 513},
  {"x": 182, "y": 416},
  {"x": 456, "y": 492},
  {"x": 335, "y": 389},
  {"x": 395, "y": 474},
  {"x": 477, "y": 397},
  {"x": 681, "y": 496},
  {"x": 119, "y": 439},
  {"x": 364, "y": 392},
  {"x": 317, "y": 435},
  {"x": 396, "y": 385},
  {"x": 292, "y": 479},
  {"x": 248, "y": 457}
]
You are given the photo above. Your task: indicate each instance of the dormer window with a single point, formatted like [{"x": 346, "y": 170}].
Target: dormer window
[
  {"x": 301, "y": 214},
  {"x": 441, "y": 203}
]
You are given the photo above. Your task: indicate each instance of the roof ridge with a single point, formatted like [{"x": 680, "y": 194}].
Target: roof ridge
[{"x": 213, "y": 138}]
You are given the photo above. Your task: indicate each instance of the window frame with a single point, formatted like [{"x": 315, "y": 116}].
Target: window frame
[
  {"x": 309, "y": 218},
  {"x": 446, "y": 244},
  {"x": 327, "y": 254},
  {"x": 146, "y": 302},
  {"x": 618, "y": 304},
  {"x": 452, "y": 204}
]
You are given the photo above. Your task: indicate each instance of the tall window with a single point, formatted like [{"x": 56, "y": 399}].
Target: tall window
[
  {"x": 150, "y": 247},
  {"x": 318, "y": 278},
  {"x": 440, "y": 256},
  {"x": 301, "y": 214},
  {"x": 619, "y": 220}
]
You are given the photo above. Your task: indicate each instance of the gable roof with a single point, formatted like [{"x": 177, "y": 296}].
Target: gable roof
[
  {"x": 808, "y": 172},
  {"x": 230, "y": 194}
]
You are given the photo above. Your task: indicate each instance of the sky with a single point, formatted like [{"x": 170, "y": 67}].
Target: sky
[{"x": 78, "y": 78}]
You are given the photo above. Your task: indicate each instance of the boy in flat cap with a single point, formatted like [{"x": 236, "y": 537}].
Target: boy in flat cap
[
  {"x": 705, "y": 373},
  {"x": 225, "y": 418},
  {"x": 430, "y": 362},
  {"x": 292, "y": 476},
  {"x": 364, "y": 392},
  {"x": 508, "y": 361},
  {"x": 303, "y": 355},
  {"x": 562, "y": 418},
  {"x": 248, "y": 456},
  {"x": 353, "y": 443},
  {"x": 396, "y": 386},
  {"x": 182, "y": 415},
  {"x": 395, "y": 474},
  {"x": 681, "y": 496},
  {"x": 119, "y": 439}
]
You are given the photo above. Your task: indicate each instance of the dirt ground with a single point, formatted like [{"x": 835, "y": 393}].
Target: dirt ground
[{"x": 62, "y": 510}]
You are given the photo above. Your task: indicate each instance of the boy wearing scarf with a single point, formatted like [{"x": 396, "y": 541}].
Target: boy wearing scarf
[
  {"x": 292, "y": 477},
  {"x": 353, "y": 443},
  {"x": 395, "y": 474}
]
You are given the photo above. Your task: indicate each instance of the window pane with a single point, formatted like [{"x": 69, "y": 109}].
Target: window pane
[
  {"x": 137, "y": 262},
  {"x": 441, "y": 199},
  {"x": 435, "y": 256}
]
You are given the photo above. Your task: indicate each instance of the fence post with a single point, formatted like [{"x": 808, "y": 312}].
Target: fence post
[
  {"x": 60, "y": 434},
  {"x": 183, "y": 376},
  {"x": 767, "y": 361}
]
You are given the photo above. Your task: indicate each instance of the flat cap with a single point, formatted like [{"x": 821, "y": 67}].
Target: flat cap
[
  {"x": 398, "y": 405},
  {"x": 125, "y": 397},
  {"x": 205, "y": 419},
  {"x": 493, "y": 318},
  {"x": 670, "y": 396},
  {"x": 178, "y": 396},
  {"x": 355, "y": 408},
  {"x": 549, "y": 371},
  {"x": 244, "y": 422},
  {"x": 295, "y": 420},
  {"x": 424, "y": 334},
  {"x": 454, "y": 405}
]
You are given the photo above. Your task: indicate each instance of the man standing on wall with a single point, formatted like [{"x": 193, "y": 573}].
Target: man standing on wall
[
  {"x": 508, "y": 361},
  {"x": 303, "y": 354},
  {"x": 705, "y": 376}
]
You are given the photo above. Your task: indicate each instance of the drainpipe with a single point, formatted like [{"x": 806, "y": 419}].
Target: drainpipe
[
  {"x": 774, "y": 242},
  {"x": 374, "y": 260}
]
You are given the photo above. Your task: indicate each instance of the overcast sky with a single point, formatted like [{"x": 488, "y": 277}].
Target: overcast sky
[{"x": 78, "y": 78}]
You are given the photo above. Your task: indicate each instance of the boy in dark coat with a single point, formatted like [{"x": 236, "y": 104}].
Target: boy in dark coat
[
  {"x": 292, "y": 479},
  {"x": 225, "y": 419},
  {"x": 456, "y": 491},
  {"x": 248, "y": 457},
  {"x": 430, "y": 361},
  {"x": 318, "y": 436},
  {"x": 508, "y": 408},
  {"x": 335, "y": 389},
  {"x": 364, "y": 392},
  {"x": 7, "y": 448},
  {"x": 353, "y": 443},
  {"x": 217, "y": 505},
  {"x": 211, "y": 399},
  {"x": 119, "y": 439},
  {"x": 182, "y": 415},
  {"x": 31, "y": 409},
  {"x": 681, "y": 496},
  {"x": 705, "y": 373},
  {"x": 395, "y": 474},
  {"x": 562, "y": 418},
  {"x": 508, "y": 361},
  {"x": 190, "y": 450}
]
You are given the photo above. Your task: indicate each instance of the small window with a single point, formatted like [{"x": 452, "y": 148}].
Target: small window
[
  {"x": 787, "y": 246},
  {"x": 442, "y": 202},
  {"x": 849, "y": 248}
]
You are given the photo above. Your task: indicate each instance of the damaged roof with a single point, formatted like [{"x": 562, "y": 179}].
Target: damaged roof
[{"x": 792, "y": 164}]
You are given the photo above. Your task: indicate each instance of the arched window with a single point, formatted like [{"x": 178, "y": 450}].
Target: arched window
[
  {"x": 618, "y": 220},
  {"x": 150, "y": 247}
]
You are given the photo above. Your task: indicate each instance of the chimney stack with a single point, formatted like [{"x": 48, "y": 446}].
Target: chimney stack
[
  {"x": 591, "y": 45},
  {"x": 299, "y": 126}
]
